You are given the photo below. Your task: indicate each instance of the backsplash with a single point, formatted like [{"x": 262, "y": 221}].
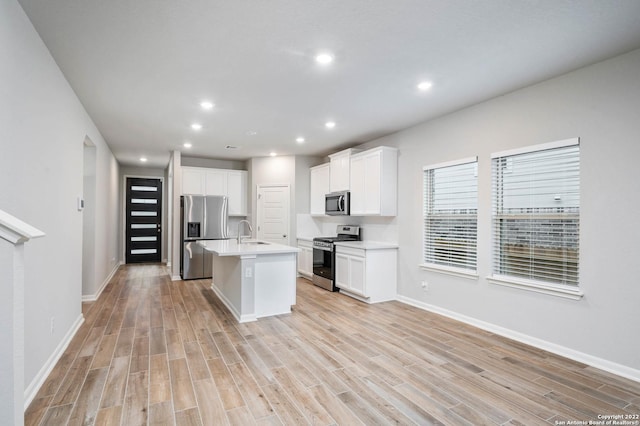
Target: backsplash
[{"x": 383, "y": 229}]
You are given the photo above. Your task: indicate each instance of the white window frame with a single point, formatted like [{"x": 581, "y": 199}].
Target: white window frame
[
  {"x": 556, "y": 289},
  {"x": 436, "y": 267}
]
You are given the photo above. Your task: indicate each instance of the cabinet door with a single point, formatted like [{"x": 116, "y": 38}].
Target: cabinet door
[
  {"x": 372, "y": 164},
  {"x": 358, "y": 194},
  {"x": 216, "y": 182},
  {"x": 305, "y": 261},
  {"x": 342, "y": 275},
  {"x": 319, "y": 187},
  {"x": 237, "y": 192},
  {"x": 339, "y": 176},
  {"x": 192, "y": 181},
  {"x": 357, "y": 282}
]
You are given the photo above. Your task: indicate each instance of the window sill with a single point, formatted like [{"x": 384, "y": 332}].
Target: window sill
[
  {"x": 449, "y": 270},
  {"x": 558, "y": 290}
]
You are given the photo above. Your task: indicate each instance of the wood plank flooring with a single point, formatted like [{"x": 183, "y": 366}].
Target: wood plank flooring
[{"x": 157, "y": 352}]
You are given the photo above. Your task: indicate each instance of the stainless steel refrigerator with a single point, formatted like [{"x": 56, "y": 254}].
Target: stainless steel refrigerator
[{"x": 203, "y": 218}]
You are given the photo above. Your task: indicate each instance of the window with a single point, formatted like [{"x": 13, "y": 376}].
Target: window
[
  {"x": 536, "y": 215},
  {"x": 450, "y": 216}
]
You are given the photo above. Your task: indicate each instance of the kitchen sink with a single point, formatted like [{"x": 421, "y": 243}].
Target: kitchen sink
[{"x": 254, "y": 242}]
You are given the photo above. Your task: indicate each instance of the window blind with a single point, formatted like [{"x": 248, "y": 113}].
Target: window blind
[
  {"x": 450, "y": 214},
  {"x": 536, "y": 213}
]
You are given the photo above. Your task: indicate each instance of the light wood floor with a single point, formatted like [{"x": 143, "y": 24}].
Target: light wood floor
[{"x": 152, "y": 351}]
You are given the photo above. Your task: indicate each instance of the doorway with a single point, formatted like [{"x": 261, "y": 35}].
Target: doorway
[
  {"x": 273, "y": 213},
  {"x": 143, "y": 220}
]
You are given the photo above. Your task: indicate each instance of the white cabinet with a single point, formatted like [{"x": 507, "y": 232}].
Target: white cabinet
[
  {"x": 340, "y": 166},
  {"x": 319, "y": 187},
  {"x": 192, "y": 181},
  {"x": 366, "y": 274},
  {"x": 237, "y": 192},
  {"x": 305, "y": 258},
  {"x": 215, "y": 182},
  {"x": 205, "y": 181},
  {"x": 374, "y": 182}
]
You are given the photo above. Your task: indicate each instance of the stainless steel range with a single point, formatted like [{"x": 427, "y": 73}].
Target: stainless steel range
[{"x": 324, "y": 255}]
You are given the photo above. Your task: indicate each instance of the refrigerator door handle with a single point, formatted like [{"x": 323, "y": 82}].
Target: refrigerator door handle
[{"x": 188, "y": 248}]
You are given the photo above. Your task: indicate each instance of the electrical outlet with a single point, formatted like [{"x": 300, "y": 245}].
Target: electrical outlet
[
  {"x": 53, "y": 324},
  {"x": 248, "y": 273},
  {"x": 425, "y": 285}
]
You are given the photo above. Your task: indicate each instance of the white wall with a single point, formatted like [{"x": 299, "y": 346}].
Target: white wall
[
  {"x": 272, "y": 170},
  {"x": 601, "y": 105},
  {"x": 42, "y": 129}
]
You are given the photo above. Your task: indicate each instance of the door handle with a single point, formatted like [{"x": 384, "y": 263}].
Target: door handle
[{"x": 284, "y": 236}]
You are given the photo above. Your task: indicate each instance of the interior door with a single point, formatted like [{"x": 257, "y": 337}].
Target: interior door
[
  {"x": 273, "y": 213},
  {"x": 143, "y": 220}
]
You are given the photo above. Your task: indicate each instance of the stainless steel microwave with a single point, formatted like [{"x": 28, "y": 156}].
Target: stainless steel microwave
[{"x": 337, "y": 203}]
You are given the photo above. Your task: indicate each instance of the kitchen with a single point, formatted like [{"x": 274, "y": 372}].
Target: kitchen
[{"x": 594, "y": 99}]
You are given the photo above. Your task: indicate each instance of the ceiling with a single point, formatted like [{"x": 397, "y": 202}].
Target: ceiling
[{"x": 142, "y": 67}]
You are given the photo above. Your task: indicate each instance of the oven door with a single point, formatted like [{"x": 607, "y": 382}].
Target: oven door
[{"x": 323, "y": 268}]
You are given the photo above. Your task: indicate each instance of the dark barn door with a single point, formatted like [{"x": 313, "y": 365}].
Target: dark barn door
[{"x": 144, "y": 220}]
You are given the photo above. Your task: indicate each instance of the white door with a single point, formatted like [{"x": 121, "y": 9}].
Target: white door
[{"x": 273, "y": 213}]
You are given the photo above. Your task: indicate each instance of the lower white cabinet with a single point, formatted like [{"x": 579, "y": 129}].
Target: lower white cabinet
[
  {"x": 305, "y": 258},
  {"x": 368, "y": 274}
]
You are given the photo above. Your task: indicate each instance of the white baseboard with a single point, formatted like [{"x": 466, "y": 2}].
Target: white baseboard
[
  {"x": 94, "y": 297},
  {"x": 176, "y": 278},
  {"x": 37, "y": 382},
  {"x": 603, "y": 364}
]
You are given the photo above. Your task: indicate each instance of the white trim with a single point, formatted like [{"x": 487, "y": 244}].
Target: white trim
[
  {"x": 603, "y": 364},
  {"x": 451, "y": 163},
  {"x": 31, "y": 391},
  {"x": 16, "y": 231},
  {"x": 450, "y": 270},
  {"x": 534, "y": 148},
  {"x": 94, "y": 297},
  {"x": 240, "y": 318},
  {"x": 568, "y": 292}
]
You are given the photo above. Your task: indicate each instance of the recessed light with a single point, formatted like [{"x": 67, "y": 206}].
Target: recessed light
[
  {"x": 187, "y": 145},
  {"x": 300, "y": 140},
  {"x": 196, "y": 126},
  {"x": 330, "y": 124},
  {"x": 252, "y": 133},
  {"x": 207, "y": 105},
  {"x": 424, "y": 85},
  {"x": 143, "y": 159},
  {"x": 324, "y": 58},
  {"x": 273, "y": 154}
]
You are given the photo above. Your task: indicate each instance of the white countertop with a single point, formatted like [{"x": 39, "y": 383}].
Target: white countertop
[
  {"x": 247, "y": 248},
  {"x": 366, "y": 245}
]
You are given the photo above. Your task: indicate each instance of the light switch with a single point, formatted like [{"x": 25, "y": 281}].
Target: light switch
[{"x": 80, "y": 204}]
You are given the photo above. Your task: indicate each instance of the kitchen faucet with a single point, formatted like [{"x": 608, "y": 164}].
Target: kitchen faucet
[{"x": 241, "y": 236}]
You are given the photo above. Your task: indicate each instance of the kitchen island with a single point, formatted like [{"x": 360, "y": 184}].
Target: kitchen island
[{"x": 253, "y": 279}]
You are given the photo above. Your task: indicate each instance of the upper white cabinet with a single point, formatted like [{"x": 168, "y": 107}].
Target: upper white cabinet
[
  {"x": 374, "y": 182},
  {"x": 204, "y": 181},
  {"x": 192, "y": 180},
  {"x": 319, "y": 187},
  {"x": 237, "y": 185},
  {"x": 340, "y": 170}
]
